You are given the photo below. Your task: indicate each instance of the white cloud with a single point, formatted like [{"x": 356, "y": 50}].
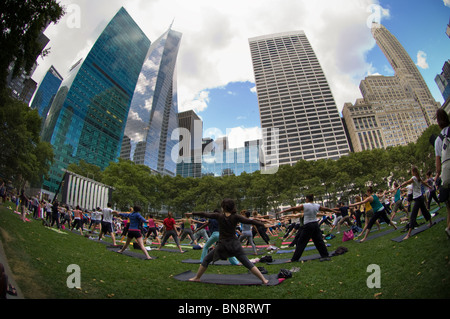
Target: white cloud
[
  {"x": 447, "y": 3},
  {"x": 214, "y": 49},
  {"x": 422, "y": 60},
  {"x": 237, "y": 136}
]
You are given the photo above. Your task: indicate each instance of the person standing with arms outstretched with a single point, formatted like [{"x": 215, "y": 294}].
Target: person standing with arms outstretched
[
  {"x": 418, "y": 199},
  {"x": 228, "y": 245},
  {"x": 310, "y": 228},
  {"x": 107, "y": 226},
  {"x": 378, "y": 212},
  {"x": 134, "y": 232}
]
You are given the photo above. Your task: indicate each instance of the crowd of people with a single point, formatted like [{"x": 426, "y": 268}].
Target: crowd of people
[{"x": 228, "y": 230}]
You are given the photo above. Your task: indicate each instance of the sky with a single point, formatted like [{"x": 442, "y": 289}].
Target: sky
[{"x": 214, "y": 69}]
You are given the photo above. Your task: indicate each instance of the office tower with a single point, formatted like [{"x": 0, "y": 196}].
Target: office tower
[
  {"x": 443, "y": 81},
  {"x": 406, "y": 71},
  {"x": 87, "y": 118},
  {"x": 387, "y": 115},
  {"x": 395, "y": 110},
  {"x": 46, "y": 92},
  {"x": 153, "y": 119},
  {"x": 362, "y": 126},
  {"x": 193, "y": 126},
  {"x": 23, "y": 86},
  {"x": 191, "y": 133},
  {"x": 295, "y": 98},
  {"x": 231, "y": 161},
  {"x": 448, "y": 30}
]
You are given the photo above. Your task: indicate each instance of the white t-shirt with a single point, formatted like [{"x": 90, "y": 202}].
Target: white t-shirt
[
  {"x": 96, "y": 215},
  {"x": 417, "y": 190},
  {"x": 107, "y": 215},
  {"x": 310, "y": 212}
]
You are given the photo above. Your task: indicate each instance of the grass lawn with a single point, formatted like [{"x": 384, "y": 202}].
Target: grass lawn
[{"x": 418, "y": 268}]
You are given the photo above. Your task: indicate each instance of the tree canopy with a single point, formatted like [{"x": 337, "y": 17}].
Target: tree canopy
[
  {"x": 329, "y": 180},
  {"x": 22, "y": 22}
]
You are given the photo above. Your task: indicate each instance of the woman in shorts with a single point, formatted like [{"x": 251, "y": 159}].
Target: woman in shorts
[{"x": 134, "y": 231}]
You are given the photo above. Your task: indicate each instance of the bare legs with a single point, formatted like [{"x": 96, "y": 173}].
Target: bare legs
[
  {"x": 141, "y": 245},
  {"x": 255, "y": 271}
]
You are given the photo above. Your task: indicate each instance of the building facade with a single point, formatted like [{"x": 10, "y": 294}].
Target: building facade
[
  {"x": 88, "y": 115},
  {"x": 295, "y": 99},
  {"x": 231, "y": 161},
  {"x": 443, "y": 80},
  {"x": 46, "y": 92},
  {"x": 151, "y": 127},
  {"x": 395, "y": 110},
  {"x": 406, "y": 71}
]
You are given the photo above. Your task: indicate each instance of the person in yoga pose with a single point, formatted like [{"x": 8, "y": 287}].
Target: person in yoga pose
[
  {"x": 228, "y": 245},
  {"x": 418, "y": 199},
  {"x": 170, "y": 229},
  {"x": 378, "y": 212},
  {"x": 134, "y": 232},
  {"x": 310, "y": 228}
]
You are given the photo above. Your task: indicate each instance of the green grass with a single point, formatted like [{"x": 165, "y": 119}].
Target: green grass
[{"x": 418, "y": 268}]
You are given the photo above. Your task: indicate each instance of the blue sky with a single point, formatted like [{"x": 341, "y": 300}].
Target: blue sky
[
  {"x": 419, "y": 25},
  {"x": 214, "y": 68}
]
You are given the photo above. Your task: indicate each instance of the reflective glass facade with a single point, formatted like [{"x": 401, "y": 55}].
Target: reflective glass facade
[
  {"x": 88, "y": 116},
  {"x": 47, "y": 92},
  {"x": 153, "y": 116},
  {"x": 231, "y": 161}
]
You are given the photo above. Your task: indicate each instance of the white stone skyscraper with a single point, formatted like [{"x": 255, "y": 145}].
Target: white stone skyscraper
[
  {"x": 395, "y": 110},
  {"x": 295, "y": 98},
  {"x": 406, "y": 71}
]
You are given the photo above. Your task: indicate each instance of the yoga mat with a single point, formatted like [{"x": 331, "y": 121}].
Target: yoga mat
[
  {"x": 418, "y": 229},
  {"x": 129, "y": 253},
  {"x": 247, "y": 279},
  {"x": 217, "y": 263},
  {"x": 292, "y": 250},
  {"x": 170, "y": 250},
  {"x": 303, "y": 258},
  {"x": 379, "y": 234}
]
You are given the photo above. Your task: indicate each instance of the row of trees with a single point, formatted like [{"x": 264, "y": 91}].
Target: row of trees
[{"x": 329, "y": 180}]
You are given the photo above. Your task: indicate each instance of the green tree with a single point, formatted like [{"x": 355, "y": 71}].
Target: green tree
[
  {"x": 87, "y": 170},
  {"x": 23, "y": 156},
  {"x": 22, "y": 22}
]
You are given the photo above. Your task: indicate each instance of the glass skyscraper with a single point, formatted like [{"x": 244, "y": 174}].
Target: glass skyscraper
[
  {"x": 88, "y": 115},
  {"x": 295, "y": 98},
  {"x": 47, "y": 92},
  {"x": 151, "y": 136}
]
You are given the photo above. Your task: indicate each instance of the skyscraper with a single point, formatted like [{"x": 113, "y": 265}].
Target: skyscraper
[
  {"x": 295, "y": 98},
  {"x": 46, "y": 92},
  {"x": 406, "y": 71},
  {"x": 395, "y": 110},
  {"x": 151, "y": 135},
  {"x": 191, "y": 133},
  {"x": 443, "y": 80},
  {"x": 88, "y": 115}
]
